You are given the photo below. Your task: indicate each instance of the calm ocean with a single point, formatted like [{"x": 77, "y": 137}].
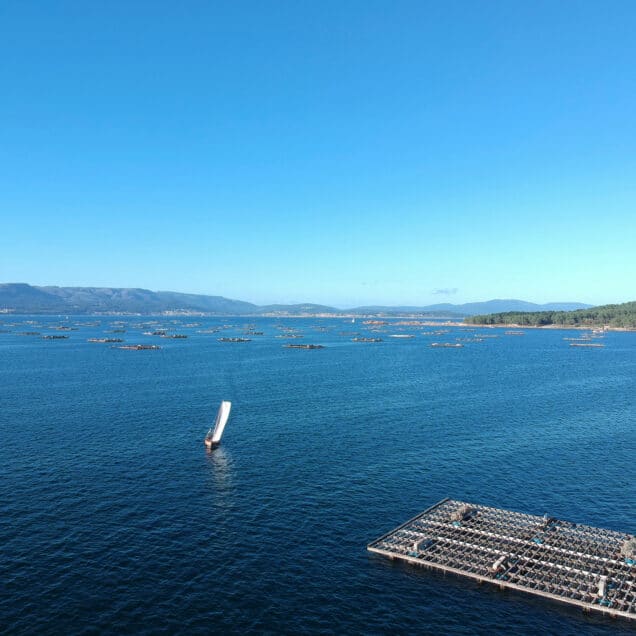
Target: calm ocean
[{"x": 114, "y": 518}]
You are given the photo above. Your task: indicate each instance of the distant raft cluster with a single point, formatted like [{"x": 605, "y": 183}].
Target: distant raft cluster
[{"x": 129, "y": 334}]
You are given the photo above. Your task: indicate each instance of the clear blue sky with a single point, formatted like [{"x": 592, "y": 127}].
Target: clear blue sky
[{"x": 341, "y": 152}]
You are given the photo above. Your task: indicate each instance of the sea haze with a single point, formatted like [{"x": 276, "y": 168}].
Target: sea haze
[{"x": 115, "y": 518}]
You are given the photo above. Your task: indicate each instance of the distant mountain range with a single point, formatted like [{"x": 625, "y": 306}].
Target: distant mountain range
[
  {"x": 471, "y": 309},
  {"x": 27, "y": 299}
]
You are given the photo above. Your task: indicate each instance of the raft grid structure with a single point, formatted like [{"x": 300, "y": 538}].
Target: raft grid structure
[{"x": 592, "y": 568}]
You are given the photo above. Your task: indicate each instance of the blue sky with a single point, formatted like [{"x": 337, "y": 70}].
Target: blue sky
[{"x": 345, "y": 152}]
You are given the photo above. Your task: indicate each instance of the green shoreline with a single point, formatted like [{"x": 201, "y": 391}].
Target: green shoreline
[
  {"x": 608, "y": 317},
  {"x": 511, "y": 325}
]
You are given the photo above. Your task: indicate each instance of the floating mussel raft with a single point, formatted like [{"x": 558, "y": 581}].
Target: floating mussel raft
[{"x": 592, "y": 568}]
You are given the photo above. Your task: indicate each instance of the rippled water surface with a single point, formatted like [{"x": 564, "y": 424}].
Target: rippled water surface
[{"x": 115, "y": 519}]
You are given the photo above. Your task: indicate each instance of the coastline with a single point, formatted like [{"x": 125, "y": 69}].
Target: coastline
[
  {"x": 406, "y": 319},
  {"x": 562, "y": 327}
]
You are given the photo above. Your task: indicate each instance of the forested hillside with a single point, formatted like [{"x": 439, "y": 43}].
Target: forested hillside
[{"x": 623, "y": 315}]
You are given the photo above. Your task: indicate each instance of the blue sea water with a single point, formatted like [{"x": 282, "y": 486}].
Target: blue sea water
[{"x": 114, "y": 518}]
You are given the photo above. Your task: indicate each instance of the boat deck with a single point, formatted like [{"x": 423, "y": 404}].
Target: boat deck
[{"x": 560, "y": 560}]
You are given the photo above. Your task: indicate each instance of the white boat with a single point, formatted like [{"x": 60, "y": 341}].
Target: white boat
[{"x": 213, "y": 438}]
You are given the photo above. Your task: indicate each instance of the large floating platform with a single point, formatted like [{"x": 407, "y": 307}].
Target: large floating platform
[{"x": 572, "y": 563}]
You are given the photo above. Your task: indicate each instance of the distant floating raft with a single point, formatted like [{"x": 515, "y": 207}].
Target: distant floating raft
[
  {"x": 587, "y": 344},
  {"x": 581, "y": 565}
]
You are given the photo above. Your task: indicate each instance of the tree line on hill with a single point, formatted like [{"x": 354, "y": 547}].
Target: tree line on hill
[{"x": 622, "y": 316}]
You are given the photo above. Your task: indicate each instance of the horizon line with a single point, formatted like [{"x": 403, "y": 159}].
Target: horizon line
[{"x": 338, "y": 306}]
